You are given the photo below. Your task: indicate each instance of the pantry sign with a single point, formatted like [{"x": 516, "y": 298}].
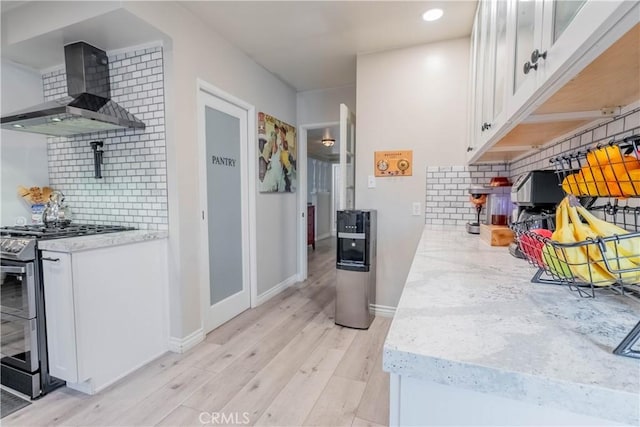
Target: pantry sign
[{"x": 393, "y": 163}]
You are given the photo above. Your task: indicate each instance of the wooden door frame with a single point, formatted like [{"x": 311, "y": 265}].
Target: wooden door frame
[{"x": 248, "y": 168}]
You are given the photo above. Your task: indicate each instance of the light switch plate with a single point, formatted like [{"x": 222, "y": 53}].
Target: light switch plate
[
  {"x": 416, "y": 209},
  {"x": 371, "y": 183}
]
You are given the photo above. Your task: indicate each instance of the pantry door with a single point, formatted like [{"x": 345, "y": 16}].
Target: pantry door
[{"x": 224, "y": 181}]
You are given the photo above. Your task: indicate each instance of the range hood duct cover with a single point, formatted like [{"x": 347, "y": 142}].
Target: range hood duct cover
[{"x": 87, "y": 109}]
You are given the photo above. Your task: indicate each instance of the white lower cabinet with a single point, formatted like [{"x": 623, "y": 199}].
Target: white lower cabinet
[
  {"x": 60, "y": 315},
  {"x": 106, "y": 312}
]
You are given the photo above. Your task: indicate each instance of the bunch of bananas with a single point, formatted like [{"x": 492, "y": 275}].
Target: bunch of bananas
[
  {"x": 608, "y": 172},
  {"x": 591, "y": 259}
]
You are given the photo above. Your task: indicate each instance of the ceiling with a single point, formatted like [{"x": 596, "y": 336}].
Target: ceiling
[
  {"x": 307, "y": 44},
  {"x": 315, "y": 148},
  {"x": 47, "y": 50},
  {"x": 313, "y": 44}
]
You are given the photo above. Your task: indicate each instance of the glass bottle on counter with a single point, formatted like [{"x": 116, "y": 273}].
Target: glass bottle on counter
[{"x": 500, "y": 208}]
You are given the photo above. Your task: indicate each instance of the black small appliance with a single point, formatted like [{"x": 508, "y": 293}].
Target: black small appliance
[{"x": 534, "y": 193}]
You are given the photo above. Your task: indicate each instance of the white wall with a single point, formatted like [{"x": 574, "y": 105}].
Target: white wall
[
  {"x": 193, "y": 51},
  {"x": 23, "y": 156},
  {"x": 198, "y": 52},
  {"x": 412, "y": 99},
  {"x": 323, "y": 105}
]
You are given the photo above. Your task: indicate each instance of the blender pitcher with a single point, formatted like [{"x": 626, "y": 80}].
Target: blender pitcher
[{"x": 499, "y": 208}]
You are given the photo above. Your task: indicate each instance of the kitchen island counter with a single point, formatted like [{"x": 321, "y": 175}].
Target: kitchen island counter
[
  {"x": 470, "y": 320},
  {"x": 96, "y": 241}
]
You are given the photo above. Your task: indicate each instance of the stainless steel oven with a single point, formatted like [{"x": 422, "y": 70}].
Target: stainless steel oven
[
  {"x": 24, "y": 365},
  {"x": 19, "y": 342},
  {"x": 18, "y": 290}
]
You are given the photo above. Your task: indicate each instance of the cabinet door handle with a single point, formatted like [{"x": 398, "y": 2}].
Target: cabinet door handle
[
  {"x": 529, "y": 66},
  {"x": 536, "y": 55},
  {"x": 51, "y": 259},
  {"x": 485, "y": 126}
]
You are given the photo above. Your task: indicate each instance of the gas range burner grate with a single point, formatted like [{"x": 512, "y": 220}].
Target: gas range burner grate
[{"x": 71, "y": 230}]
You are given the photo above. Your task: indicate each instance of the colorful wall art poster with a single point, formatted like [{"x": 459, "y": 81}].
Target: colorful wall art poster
[{"x": 277, "y": 155}]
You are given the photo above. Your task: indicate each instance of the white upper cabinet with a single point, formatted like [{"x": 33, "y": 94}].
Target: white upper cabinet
[
  {"x": 489, "y": 71},
  {"x": 526, "y": 28},
  {"x": 551, "y": 35},
  {"x": 523, "y": 49}
]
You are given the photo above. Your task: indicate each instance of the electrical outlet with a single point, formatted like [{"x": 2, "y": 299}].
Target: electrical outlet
[
  {"x": 416, "y": 209},
  {"x": 371, "y": 183}
]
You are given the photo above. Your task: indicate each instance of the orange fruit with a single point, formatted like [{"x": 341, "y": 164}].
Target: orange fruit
[
  {"x": 604, "y": 156},
  {"x": 619, "y": 171},
  {"x": 631, "y": 187},
  {"x": 614, "y": 166},
  {"x": 574, "y": 184},
  {"x": 595, "y": 181}
]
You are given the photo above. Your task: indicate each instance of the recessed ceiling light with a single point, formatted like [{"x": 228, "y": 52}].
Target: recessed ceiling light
[
  {"x": 56, "y": 119},
  {"x": 432, "y": 14},
  {"x": 18, "y": 126}
]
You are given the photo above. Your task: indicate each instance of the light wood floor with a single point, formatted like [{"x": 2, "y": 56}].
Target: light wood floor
[{"x": 284, "y": 363}]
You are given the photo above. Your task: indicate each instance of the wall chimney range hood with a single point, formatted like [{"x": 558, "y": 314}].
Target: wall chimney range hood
[{"x": 88, "y": 108}]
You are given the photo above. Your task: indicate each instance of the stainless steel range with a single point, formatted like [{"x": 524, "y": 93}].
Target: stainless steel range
[{"x": 23, "y": 343}]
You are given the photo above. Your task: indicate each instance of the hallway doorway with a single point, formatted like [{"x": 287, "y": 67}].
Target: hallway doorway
[{"x": 320, "y": 145}]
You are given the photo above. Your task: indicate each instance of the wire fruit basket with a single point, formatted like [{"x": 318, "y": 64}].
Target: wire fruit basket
[
  {"x": 603, "y": 170},
  {"x": 596, "y": 264},
  {"x": 590, "y": 266},
  {"x": 597, "y": 250}
]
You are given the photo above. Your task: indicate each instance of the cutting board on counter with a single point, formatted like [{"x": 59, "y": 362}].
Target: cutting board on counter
[{"x": 496, "y": 235}]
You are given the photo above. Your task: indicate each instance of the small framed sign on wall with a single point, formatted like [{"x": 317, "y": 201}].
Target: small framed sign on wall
[{"x": 393, "y": 163}]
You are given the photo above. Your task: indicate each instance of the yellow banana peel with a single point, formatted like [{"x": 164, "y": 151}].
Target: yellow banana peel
[
  {"x": 576, "y": 257},
  {"x": 612, "y": 254},
  {"x": 629, "y": 248}
]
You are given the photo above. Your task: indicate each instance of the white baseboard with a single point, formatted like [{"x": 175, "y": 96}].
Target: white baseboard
[
  {"x": 324, "y": 236},
  {"x": 85, "y": 387},
  {"x": 383, "y": 310},
  {"x": 88, "y": 387},
  {"x": 180, "y": 345},
  {"x": 265, "y": 296}
]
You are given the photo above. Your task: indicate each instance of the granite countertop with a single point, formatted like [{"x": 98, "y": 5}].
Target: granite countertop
[
  {"x": 470, "y": 317},
  {"x": 96, "y": 241}
]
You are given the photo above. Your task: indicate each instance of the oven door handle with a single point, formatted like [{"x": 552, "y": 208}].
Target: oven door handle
[{"x": 11, "y": 269}]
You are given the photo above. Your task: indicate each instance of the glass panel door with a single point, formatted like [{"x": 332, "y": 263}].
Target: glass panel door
[
  {"x": 525, "y": 33},
  {"x": 224, "y": 203},
  {"x": 347, "y": 158},
  {"x": 224, "y": 194},
  {"x": 563, "y": 13},
  {"x": 501, "y": 65},
  {"x": 487, "y": 63}
]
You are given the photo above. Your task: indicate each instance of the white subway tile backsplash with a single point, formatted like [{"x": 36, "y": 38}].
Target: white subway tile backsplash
[
  {"x": 632, "y": 121},
  {"x": 615, "y": 127},
  {"x": 618, "y": 128},
  {"x": 447, "y": 199},
  {"x": 132, "y": 191}
]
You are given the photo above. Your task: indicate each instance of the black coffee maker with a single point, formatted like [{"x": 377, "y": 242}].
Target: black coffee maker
[{"x": 534, "y": 193}]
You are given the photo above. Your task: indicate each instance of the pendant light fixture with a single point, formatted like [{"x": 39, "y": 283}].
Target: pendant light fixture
[{"x": 328, "y": 142}]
